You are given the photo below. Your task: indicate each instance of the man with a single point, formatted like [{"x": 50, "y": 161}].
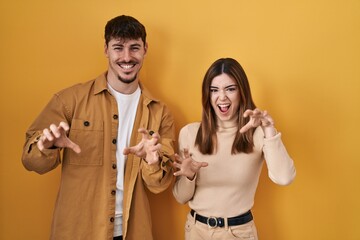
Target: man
[{"x": 88, "y": 128}]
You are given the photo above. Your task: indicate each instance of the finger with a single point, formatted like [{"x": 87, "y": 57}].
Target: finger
[
  {"x": 177, "y": 173},
  {"x": 156, "y": 148},
  {"x": 55, "y": 131},
  {"x": 247, "y": 113},
  {"x": 265, "y": 122},
  {"x": 47, "y": 135},
  {"x": 64, "y": 126},
  {"x": 73, "y": 146},
  {"x": 246, "y": 128},
  {"x": 257, "y": 113},
  {"x": 178, "y": 158},
  {"x": 154, "y": 140},
  {"x": 40, "y": 145},
  {"x": 129, "y": 150},
  {"x": 186, "y": 153},
  {"x": 269, "y": 118},
  {"x": 155, "y": 135},
  {"x": 204, "y": 164},
  {"x": 145, "y": 134},
  {"x": 177, "y": 165}
]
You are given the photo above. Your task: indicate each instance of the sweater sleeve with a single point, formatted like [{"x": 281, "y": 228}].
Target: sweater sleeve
[
  {"x": 281, "y": 168},
  {"x": 184, "y": 189}
]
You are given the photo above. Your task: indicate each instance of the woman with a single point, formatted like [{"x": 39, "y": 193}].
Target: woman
[{"x": 222, "y": 156}]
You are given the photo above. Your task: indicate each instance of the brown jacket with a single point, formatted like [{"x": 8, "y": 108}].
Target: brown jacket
[{"x": 85, "y": 205}]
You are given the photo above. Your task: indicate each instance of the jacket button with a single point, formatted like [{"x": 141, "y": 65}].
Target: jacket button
[
  {"x": 114, "y": 166},
  {"x": 86, "y": 123},
  {"x": 113, "y": 192},
  {"x": 112, "y": 219},
  {"x": 115, "y": 116},
  {"x": 114, "y": 141}
]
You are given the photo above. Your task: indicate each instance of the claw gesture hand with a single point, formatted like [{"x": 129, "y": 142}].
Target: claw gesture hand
[
  {"x": 56, "y": 136},
  {"x": 259, "y": 118},
  {"x": 147, "y": 148},
  {"x": 187, "y": 166}
]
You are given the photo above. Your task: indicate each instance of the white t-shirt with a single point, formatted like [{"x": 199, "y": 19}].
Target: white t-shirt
[{"x": 127, "y": 105}]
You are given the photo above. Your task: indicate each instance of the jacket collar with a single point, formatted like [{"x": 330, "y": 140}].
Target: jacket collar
[{"x": 100, "y": 85}]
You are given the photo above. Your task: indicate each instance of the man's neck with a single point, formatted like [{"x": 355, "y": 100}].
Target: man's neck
[{"x": 121, "y": 87}]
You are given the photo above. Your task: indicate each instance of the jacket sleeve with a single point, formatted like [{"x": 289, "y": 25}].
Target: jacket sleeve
[
  {"x": 159, "y": 177},
  {"x": 184, "y": 189},
  {"x": 281, "y": 168},
  {"x": 32, "y": 158}
]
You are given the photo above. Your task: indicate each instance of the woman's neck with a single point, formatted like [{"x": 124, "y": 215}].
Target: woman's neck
[{"x": 227, "y": 124}]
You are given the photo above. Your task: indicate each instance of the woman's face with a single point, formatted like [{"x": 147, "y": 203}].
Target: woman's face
[{"x": 225, "y": 97}]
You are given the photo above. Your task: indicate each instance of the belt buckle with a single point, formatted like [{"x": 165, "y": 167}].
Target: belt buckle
[{"x": 212, "y": 219}]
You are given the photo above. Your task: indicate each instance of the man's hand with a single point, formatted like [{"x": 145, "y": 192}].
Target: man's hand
[
  {"x": 147, "y": 148},
  {"x": 56, "y": 136},
  {"x": 187, "y": 166}
]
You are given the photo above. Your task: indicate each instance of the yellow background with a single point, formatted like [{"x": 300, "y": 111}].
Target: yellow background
[{"x": 302, "y": 59}]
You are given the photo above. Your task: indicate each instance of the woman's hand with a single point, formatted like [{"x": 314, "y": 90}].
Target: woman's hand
[
  {"x": 187, "y": 166},
  {"x": 259, "y": 118}
]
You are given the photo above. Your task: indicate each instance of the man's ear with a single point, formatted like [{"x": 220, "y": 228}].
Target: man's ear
[
  {"x": 146, "y": 47},
  {"x": 105, "y": 49}
]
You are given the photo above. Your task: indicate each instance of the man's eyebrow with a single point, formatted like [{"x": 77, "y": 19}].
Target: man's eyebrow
[
  {"x": 135, "y": 45},
  {"x": 117, "y": 44},
  {"x": 122, "y": 44}
]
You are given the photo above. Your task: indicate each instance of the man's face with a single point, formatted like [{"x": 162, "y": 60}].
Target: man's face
[{"x": 125, "y": 58}]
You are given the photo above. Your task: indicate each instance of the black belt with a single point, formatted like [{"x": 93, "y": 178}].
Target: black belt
[{"x": 220, "y": 222}]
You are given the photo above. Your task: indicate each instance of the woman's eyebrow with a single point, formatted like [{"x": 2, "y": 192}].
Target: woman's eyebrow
[{"x": 232, "y": 85}]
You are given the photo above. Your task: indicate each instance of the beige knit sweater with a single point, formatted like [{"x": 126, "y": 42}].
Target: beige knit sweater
[{"x": 226, "y": 187}]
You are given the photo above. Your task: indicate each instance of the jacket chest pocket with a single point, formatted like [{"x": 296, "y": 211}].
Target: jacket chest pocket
[{"x": 89, "y": 135}]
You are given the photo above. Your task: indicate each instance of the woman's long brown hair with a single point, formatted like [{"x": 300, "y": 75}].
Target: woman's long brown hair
[{"x": 206, "y": 136}]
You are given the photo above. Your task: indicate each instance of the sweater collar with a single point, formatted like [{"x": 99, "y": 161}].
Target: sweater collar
[{"x": 227, "y": 125}]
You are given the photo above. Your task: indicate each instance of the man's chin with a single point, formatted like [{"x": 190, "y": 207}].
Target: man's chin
[{"x": 127, "y": 80}]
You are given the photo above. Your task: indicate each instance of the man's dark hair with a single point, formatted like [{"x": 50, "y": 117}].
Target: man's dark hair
[{"x": 124, "y": 27}]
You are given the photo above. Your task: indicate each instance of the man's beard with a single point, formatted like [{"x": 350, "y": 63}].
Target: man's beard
[{"x": 127, "y": 81}]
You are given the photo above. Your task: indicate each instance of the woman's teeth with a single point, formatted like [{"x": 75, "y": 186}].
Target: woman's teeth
[{"x": 224, "y": 107}]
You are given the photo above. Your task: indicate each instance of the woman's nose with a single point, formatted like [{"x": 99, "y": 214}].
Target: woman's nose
[{"x": 222, "y": 94}]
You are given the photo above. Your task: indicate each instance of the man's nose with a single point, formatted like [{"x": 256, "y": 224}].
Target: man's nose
[{"x": 126, "y": 55}]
